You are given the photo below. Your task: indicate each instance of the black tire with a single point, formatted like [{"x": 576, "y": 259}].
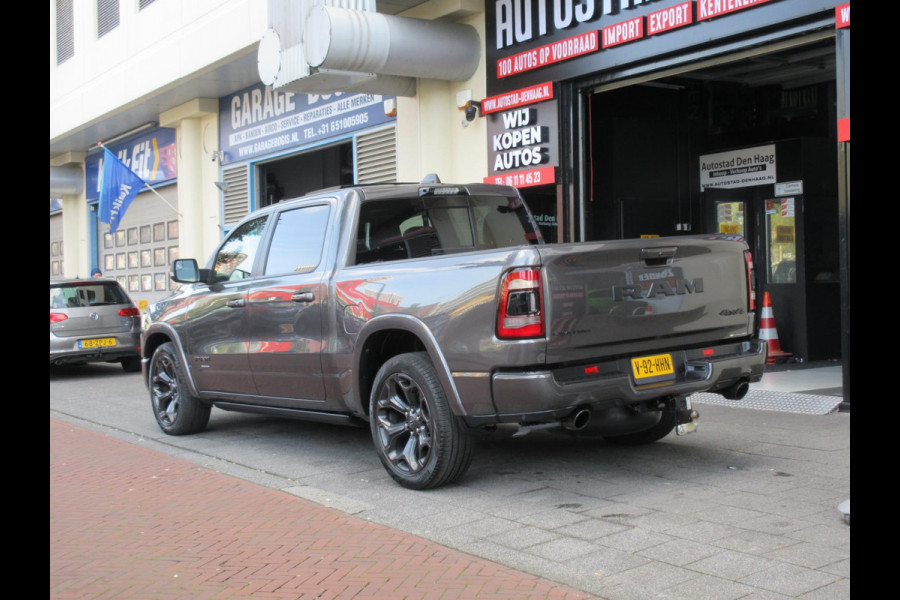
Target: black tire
[
  {"x": 420, "y": 442},
  {"x": 131, "y": 365},
  {"x": 177, "y": 411},
  {"x": 663, "y": 428}
]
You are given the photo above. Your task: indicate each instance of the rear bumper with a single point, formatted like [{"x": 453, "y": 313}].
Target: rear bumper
[
  {"x": 66, "y": 351},
  {"x": 83, "y": 356},
  {"x": 533, "y": 396}
]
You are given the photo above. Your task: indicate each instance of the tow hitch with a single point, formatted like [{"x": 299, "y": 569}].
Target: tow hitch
[{"x": 685, "y": 417}]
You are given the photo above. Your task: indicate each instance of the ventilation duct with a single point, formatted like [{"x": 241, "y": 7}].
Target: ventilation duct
[
  {"x": 371, "y": 42},
  {"x": 66, "y": 181},
  {"x": 340, "y": 49}
]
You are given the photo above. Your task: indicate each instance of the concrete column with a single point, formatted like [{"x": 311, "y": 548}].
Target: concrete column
[
  {"x": 76, "y": 238},
  {"x": 76, "y": 253},
  {"x": 196, "y": 134}
]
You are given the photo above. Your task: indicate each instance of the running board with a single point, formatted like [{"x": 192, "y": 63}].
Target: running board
[{"x": 291, "y": 413}]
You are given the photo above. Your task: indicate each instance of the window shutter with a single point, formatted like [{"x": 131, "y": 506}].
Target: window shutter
[
  {"x": 236, "y": 202},
  {"x": 376, "y": 156},
  {"x": 65, "y": 31},
  {"x": 107, "y": 16}
]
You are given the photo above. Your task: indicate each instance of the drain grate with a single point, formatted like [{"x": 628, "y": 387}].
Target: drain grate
[{"x": 779, "y": 401}]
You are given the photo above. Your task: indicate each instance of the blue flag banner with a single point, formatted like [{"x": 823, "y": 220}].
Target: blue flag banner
[{"x": 118, "y": 187}]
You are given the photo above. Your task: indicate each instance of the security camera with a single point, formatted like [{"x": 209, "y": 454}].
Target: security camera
[{"x": 471, "y": 111}]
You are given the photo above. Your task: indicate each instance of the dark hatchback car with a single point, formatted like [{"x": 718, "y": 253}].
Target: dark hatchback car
[{"x": 93, "y": 320}]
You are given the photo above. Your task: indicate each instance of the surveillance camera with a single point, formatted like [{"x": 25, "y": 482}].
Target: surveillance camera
[{"x": 471, "y": 112}]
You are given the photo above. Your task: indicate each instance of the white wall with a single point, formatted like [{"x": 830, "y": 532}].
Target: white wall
[
  {"x": 149, "y": 50},
  {"x": 430, "y": 134}
]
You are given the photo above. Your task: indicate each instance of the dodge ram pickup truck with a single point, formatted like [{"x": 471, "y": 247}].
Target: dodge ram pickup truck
[{"x": 428, "y": 312}]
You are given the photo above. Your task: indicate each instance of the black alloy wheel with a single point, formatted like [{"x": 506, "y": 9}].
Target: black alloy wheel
[
  {"x": 419, "y": 441},
  {"x": 177, "y": 411}
]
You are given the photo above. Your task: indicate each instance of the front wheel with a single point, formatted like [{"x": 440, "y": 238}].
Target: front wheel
[
  {"x": 663, "y": 428},
  {"x": 177, "y": 411},
  {"x": 420, "y": 442}
]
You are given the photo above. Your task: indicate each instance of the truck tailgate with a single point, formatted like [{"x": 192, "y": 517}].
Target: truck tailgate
[{"x": 640, "y": 295}]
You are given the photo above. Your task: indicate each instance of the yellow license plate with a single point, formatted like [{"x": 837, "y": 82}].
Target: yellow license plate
[
  {"x": 97, "y": 343},
  {"x": 647, "y": 367}
]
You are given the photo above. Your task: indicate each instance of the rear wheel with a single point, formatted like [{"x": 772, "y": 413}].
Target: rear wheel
[
  {"x": 663, "y": 428},
  {"x": 420, "y": 442},
  {"x": 177, "y": 411}
]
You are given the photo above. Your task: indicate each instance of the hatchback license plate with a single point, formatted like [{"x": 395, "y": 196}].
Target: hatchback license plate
[
  {"x": 97, "y": 343},
  {"x": 648, "y": 367}
]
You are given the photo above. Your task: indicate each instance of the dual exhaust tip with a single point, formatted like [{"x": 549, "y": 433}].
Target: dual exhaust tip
[
  {"x": 581, "y": 417},
  {"x": 736, "y": 391},
  {"x": 577, "y": 420}
]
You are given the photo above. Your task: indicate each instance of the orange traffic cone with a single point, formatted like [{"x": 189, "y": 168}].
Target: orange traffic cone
[{"x": 769, "y": 333}]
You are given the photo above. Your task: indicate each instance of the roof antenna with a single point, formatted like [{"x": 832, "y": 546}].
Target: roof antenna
[{"x": 430, "y": 178}]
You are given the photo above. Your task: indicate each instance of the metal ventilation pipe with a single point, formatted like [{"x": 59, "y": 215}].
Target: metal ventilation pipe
[
  {"x": 66, "y": 181},
  {"x": 371, "y": 42}
]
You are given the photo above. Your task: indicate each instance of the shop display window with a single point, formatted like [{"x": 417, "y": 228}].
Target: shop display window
[{"x": 781, "y": 228}]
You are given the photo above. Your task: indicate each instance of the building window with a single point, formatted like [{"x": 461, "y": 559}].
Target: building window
[
  {"x": 107, "y": 16},
  {"x": 65, "y": 31}
]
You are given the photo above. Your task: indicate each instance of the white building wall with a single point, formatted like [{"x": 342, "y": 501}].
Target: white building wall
[{"x": 149, "y": 50}]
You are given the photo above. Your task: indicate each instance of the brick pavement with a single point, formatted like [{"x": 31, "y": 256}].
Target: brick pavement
[{"x": 129, "y": 522}]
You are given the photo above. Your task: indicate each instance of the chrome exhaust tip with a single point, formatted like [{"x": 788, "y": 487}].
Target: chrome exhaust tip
[{"x": 577, "y": 420}]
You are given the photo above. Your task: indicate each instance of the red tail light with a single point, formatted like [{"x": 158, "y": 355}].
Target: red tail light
[
  {"x": 57, "y": 317},
  {"x": 130, "y": 312},
  {"x": 521, "y": 313},
  {"x": 751, "y": 280}
]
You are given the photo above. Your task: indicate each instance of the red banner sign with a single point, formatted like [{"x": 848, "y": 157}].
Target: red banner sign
[
  {"x": 844, "y": 130},
  {"x": 516, "y": 98},
  {"x": 548, "y": 54},
  {"x": 626, "y": 31},
  {"x": 842, "y": 16},
  {"x": 708, "y": 9},
  {"x": 520, "y": 179},
  {"x": 670, "y": 18}
]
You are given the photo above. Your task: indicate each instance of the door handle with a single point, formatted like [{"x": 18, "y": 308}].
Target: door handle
[
  {"x": 303, "y": 297},
  {"x": 236, "y": 303}
]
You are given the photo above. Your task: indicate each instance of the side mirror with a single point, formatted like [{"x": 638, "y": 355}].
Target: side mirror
[{"x": 184, "y": 270}]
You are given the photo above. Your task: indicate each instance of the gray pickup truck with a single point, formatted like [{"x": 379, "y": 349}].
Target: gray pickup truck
[{"x": 430, "y": 311}]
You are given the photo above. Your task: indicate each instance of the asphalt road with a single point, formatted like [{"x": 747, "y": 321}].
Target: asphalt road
[{"x": 744, "y": 508}]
